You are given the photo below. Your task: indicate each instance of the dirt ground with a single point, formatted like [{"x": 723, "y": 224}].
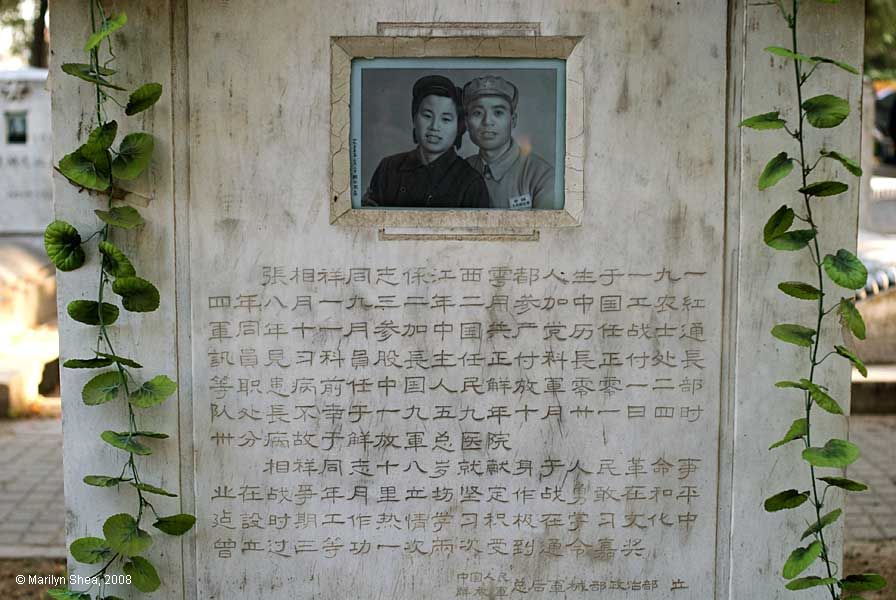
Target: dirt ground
[
  {"x": 879, "y": 557},
  {"x": 860, "y": 557},
  {"x": 9, "y": 589}
]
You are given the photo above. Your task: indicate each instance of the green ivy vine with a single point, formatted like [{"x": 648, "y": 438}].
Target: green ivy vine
[
  {"x": 844, "y": 270},
  {"x": 103, "y": 170}
]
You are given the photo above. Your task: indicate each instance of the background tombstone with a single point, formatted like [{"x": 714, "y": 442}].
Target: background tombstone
[
  {"x": 257, "y": 283},
  {"x": 27, "y": 284},
  {"x": 26, "y": 202}
]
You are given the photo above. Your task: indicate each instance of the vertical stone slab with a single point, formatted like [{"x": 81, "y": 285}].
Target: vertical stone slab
[
  {"x": 760, "y": 542},
  {"x": 271, "y": 285},
  {"x": 144, "y": 55}
]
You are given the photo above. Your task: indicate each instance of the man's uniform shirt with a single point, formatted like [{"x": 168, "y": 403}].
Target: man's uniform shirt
[
  {"x": 517, "y": 180},
  {"x": 405, "y": 180}
]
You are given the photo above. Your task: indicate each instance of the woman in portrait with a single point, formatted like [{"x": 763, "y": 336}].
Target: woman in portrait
[{"x": 431, "y": 175}]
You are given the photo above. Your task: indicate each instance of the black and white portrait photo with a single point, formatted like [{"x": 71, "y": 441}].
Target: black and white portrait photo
[{"x": 460, "y": 133}]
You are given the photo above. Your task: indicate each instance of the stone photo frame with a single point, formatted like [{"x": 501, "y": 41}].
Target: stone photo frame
[{"x": 480, "y": 221}]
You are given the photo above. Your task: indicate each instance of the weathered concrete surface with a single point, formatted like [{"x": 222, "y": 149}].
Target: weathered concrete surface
[
  {"x": 760, "y": 542},
  {"x": 145, "y": 55}
]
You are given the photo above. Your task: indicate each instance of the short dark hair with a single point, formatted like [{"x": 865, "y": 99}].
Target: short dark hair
[{"x": 439, "y": 85}]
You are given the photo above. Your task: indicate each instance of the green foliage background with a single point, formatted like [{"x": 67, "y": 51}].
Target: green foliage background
[
  {"x": 880, "y": 39},
  {"x": 11, "y": 18}
]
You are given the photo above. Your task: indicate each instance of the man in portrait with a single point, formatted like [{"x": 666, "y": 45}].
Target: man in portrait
[
  {"x": 430, "y": 175},
  {"x": 516, "y": 178}
]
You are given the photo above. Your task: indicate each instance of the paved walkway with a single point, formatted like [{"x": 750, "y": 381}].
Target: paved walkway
[
  {"x": 32, "y": 509},
  {"x": 871, "y": 515}
]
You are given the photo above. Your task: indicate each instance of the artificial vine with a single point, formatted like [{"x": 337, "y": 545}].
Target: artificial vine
[
  {"x": 101, "y": 169},
  {"x": 843, "y": 269}
]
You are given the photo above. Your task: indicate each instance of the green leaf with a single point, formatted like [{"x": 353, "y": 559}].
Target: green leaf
[
  {"x": 826, "y": 111},
  {"x": 124, "y": 217},
  {"x": 778, "y": 223},
  {"x": 87, "y": 363},
  {"x": 845, "y": 270},
  {"x": 121, "y": 360},
  {"x": 835, "y": 454},
  {"x": 102, "y": 137},
  {"x": 90, "y": 550},
  {"x": 785, "y": 53},
  {"x": 824, "y": 188},
  {"x": 102, "y": 388},
  {"x": 804, "y": 583},
  {"x": 851, "y": 357},
  {"x": 794, "y": 334},
  {"x": 93, "y": 174},
  {"x": 850, "y": 165},
  {"x": 798, "y": 289},
  {"x": 801, "y": 559},
  {"x": 134, "y": 155},
  {"x": 86, "y": 168},
  {"x": 826, "y": 520},
  {"x": 126, "y": 442},
  {"x": 124, "y": 536},
  {"x": 103, "y": 480},
  {"x": 777, "y": 169},
  {"x": 847, "y": 484},
  {"x": 793, "y": 240},
  {"x": 153, "y": 392},
  {"x": 67, "y": 594},
  {"x": 115, "y": 262},
  {"x": 151, "y": 489},
  {"x": 175, "y": 524},
  {"x": 822, "y": 399},
  {"x": 63, "y": 245},
  {"x": 85, "y": 71},
  {"x": 770, "y": 120},
  {"x": 866, "y": 582},
  {"x": 151, "y": 434},
  {"x": 776, "y": 234},
  {"x": 852, "y": 318},
  {"x": 790, "y": 384},
  {"x": 143, "y": 97},
  {"x": 88, "y": 312},
  {"x": 143, "y": 574},
  {"x": 785, "y": 500},
  {"x": 137, "y": 295},
  {"x": 797, "y": 430},
  {"x": 108, "y": 27},
  {"x": 845, "y": 66}
]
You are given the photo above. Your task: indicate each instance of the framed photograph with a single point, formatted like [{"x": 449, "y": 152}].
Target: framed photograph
[
  {"x": 426, "y": 135},
  {"x": 461, "y": 133}
]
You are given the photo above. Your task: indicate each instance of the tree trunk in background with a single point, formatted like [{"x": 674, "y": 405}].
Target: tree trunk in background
[{"x": 39, "y": 47}]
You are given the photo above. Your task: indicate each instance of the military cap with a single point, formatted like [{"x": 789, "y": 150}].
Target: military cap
[{"x": 490, "y": 85}]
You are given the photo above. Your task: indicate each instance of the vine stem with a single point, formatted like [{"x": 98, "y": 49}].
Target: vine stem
[
  {"x": 816, "y": 258},
  {"x": 103, "y": 335}
]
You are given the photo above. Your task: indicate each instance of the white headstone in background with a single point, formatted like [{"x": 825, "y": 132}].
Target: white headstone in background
[
  {"x": 26, "y": 161},
  {"x": 27, "y": 285},
  {"x": 378, "y": 411}
]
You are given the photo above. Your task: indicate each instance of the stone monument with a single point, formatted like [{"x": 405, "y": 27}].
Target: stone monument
[{"x": 415, "y": 403}]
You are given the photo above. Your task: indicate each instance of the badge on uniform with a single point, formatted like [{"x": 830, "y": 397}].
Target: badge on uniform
[{"x": 521, "y": 202}]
